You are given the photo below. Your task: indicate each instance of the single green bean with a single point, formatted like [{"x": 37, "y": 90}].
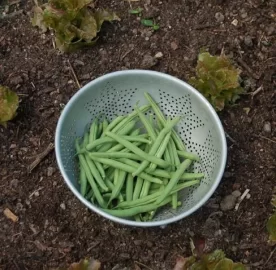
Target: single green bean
[
  {"x": 130, "y": 118},
  {"x": 115, "y": 155},
  {"x": 174, "y": 180},
  {"x": 96, "y": 173},
  {"x": 188, "y": 155},
  {"x": 129, "y": 187},
  {"x": 90, "y": 178},
  {"x": 83, "y": 181},
  {"x": 93, "y": 131},
  {"x": 100, "y": 130},
  {"x": 176, "y": 163},
  {"x": 137, "y": 150},
  {"x": 89, "y": 194},
  {"x": 162, "y": 119},
  {"x": 137, "y": 188},
  {"x": 127, "y": 168},
  {"x": 105, "y": 125}
]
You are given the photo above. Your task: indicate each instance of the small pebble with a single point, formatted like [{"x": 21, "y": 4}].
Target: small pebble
[
  {"x": 62, "y": 206},
  {"x": 50, "y": 171},
  {"x": 148, "y": 61},
  {"x": 219, "y": 17},
  {"x": 13, "y": 146},
  {"x": 267, "y": 127},
  {"x": 235, "y": 22},
  {"x": 248, "y": 196},
  {"x": 36, "y": 193},
  {"x": 159, "y": 55},
  {"x": 174, "y": 45},
  {"x": 248, "y": 41},
  {"x": 243, "y": 15},
  {"x": 236, "y": 193},
  {"x": 228, "y": 203}
]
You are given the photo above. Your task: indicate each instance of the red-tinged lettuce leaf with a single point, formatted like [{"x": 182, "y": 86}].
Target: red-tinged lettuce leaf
[
  {"x": 184, "y": 263},
  {"x": 271, "y": 228},
  {"x": 74, "y": 23},
  {"x": 85, "y": 265},
  {"x": 8, "y": 105},
  {"x": 210, "y": 260},
  {"x": 217, "y": 79}
]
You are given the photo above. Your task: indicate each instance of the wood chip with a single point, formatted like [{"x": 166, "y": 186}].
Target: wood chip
[{"x": 9, "y": 214}]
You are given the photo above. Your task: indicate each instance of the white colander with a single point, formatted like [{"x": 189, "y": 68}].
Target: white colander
[{"x": 117, "y": 93}]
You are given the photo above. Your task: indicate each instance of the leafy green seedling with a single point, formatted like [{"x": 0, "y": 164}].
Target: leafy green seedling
[
  {"x": 8, "y": 105},
  {"x": 136, "y": 11},
  {"x": 217, "y": 79},
  {"x": 150, "y": 23},
  {"x": 74, "y": 24},
  {"x": 271, "y": 224}
]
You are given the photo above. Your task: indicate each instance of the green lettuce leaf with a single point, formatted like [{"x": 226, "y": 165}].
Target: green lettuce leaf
[
  {"x": 217, "y": 79},
  {"x": 74, "y": 23},
  {"x": 8, "y": 105}
]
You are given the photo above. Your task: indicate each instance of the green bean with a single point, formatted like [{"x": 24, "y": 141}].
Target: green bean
[
  {"x": 105, "y": 125},
  {"x": 162, "y": 119},
  {"x": 159, "y": 140},
  {"x": 100, "y": 130},
  {"x": 93, "y": 131},
  {"x": 90, "y": 178},
  {"x": 137, "y": 150},
  {"x": 161, "y": 150},
  {"x": 85, "y": 139},
  {"x": 83, "y": 181},
  {"x": 116, "y": 177},
  {"x": 188, "y": 155},
  {"x": 176, "y": 163},
  {"x": 136, "y": 210},
  {"x": 124, "y": 131},
  {"x": 111, "y": 185},
  {"x": 146, "y": 123},
  {"x": 130, "y": 117},
  {"x": 152, "y": 197},
  {"x": 104, "y": 140},
  {"x": 174, "y": 180},
  {"x": 137, "y": 188},
  {"x": 129, "y": 187},
  {"x": 96, "y": 173},
  {"x": 127, "y": 168},
  {"x": 89, "y": 194},
  {"x": 115, "y": 155},
  {"x": 118, "y": 186},
  {"x": 113, "y": 123},
  {"x": 174, "y": 200}
]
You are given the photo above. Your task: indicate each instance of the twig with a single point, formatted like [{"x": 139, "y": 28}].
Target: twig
[
  {"x": 263, "y": 137},
  {"x": 143, "y": 265},
  {"x": 230, "y": 138},
  {"x": 41, "y": 156},
  {"x": 74, "y": 75},
  {"x": 249, "y": 70},
  {"x": 241, "y": 198},
  {"x": 124, "y": 55},
  {"x": 270, "y": 256},
  {"x": 257, "y": 91}
]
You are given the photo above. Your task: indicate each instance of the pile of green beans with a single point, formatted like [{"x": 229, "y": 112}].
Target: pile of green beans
[{"x": 133, "y": 165}]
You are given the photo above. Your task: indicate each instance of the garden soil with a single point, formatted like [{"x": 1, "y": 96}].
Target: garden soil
[{"x": 53, "y": 228}]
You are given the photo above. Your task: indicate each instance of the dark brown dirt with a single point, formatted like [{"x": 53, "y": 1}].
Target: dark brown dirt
[{"x": 54, "y": 228}]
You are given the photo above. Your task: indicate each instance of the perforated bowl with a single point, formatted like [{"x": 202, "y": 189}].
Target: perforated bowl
[{"x": 117, "y": 93}]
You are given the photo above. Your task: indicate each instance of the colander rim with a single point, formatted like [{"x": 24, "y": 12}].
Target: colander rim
[{"x": 164, "y": 222}]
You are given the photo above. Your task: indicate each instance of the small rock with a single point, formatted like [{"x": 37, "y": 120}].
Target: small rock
[
  {"x": 159, "y": 55},
  {"x": 148, "y": 61},
  {"x": 219, "y": 17},
  {"x": 85, "y": 77},
  {"x": 14, "y": 183},
  {"x": 243, "y": 15},
  {"x": 267, "y": 127},
  {"x": 78, "y": 63},
  {"x": 13, "y": 146},
  {"x": 50, "y": 171},
  {"x": 174, "y": 45},
  {"x": 228, "y": 203},
  {"x": 248, "y": 41},
  {"x": 16, "y": 80},
  {"x": 146, "y": 38},
  {"x": 248, "y": 196},
  {"x": 270, "y": 29},
  {"x": 62, "y": 206},
  {"x": 234, "y": 249},
  {"x": 236, "y": 193},
  {"x": 235, "y": 22}
]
